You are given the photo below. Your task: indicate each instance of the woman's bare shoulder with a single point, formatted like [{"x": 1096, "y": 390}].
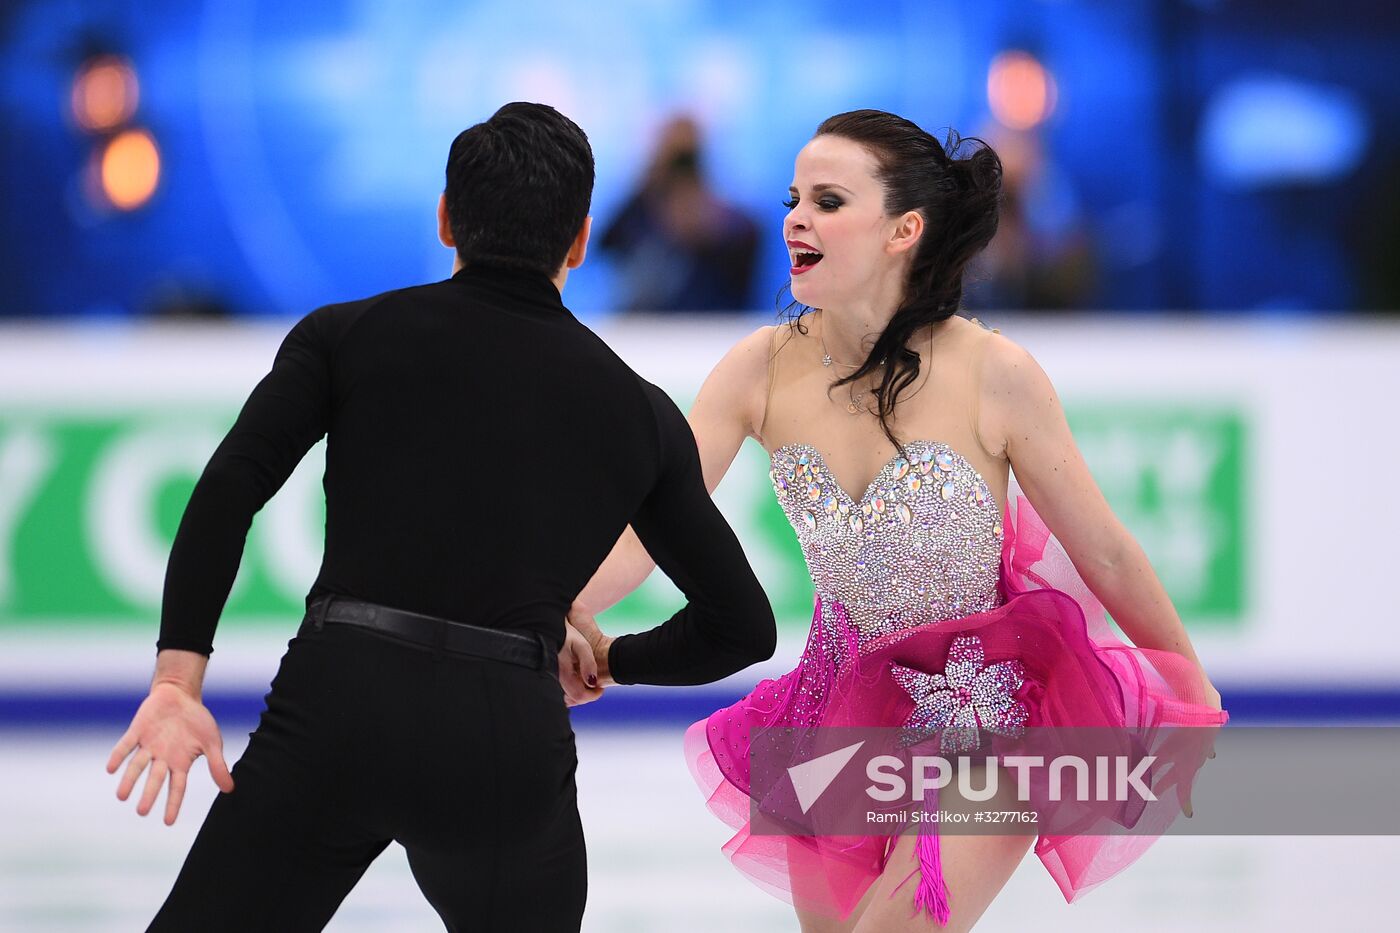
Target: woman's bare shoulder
[
  {"x": 746, "y": 363},
  {"x": 1009, "y": 385},
  {"x": 738, "y": 385},
  {"x": 1007, "y": 368}
]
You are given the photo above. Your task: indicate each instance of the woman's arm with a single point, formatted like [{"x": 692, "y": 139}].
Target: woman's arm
[
  {"x": 729, "y": 408},
  {"x": 1021, "y": 408}
]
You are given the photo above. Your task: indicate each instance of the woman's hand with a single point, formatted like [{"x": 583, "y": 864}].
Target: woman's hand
[
  {"x": 1212, "y": 695},
  {"x": 1187, "y": 749},
  {"x": 578, "y": 671},
  {"x": 581, "y": 619}
]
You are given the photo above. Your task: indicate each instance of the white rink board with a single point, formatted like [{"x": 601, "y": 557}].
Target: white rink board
[{"x": 1318, "y": 396}]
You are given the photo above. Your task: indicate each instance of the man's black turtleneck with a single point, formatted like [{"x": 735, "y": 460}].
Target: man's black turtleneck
[{"x": 485, "y": 451}]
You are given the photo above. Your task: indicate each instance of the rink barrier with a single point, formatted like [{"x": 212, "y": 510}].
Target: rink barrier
[{"x": 33, "y": 709}]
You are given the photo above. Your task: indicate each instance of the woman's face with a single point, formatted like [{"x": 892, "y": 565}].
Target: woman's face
[{"x": 836, "y": 228}]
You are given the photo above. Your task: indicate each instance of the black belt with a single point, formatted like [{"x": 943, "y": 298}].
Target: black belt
[{"x": 431, "y": 632}]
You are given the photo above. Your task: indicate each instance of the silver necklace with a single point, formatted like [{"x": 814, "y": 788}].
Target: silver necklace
[
  {"x": 826, "y": 354},
  {"x": 826, "y": 357},
  {"x": 853, "y": 406}
]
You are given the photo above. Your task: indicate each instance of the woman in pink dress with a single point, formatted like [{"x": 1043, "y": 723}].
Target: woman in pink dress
[{"x": 893, "y": 425}]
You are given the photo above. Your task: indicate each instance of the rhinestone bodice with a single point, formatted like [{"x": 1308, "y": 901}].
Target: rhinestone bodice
[{"x": 922, "y": 544}]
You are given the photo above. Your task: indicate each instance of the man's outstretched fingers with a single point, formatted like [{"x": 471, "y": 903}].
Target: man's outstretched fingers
[
  {"x": 119, "y": 751},
  {"x": 217, "y": 769},
  {"x": 133, "y": 773},
  {"x": 176, "y": 795},
  {"x": 151, "y": 791}
]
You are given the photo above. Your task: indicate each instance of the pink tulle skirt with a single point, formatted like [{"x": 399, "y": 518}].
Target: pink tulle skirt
[{"x": 1078, "y": 672}]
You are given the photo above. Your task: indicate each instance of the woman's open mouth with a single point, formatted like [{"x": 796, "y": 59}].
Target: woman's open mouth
[{"x": 803, "y": 257}]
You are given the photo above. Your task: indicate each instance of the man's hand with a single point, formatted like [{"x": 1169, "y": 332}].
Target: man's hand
[
  {"x": 170, "y": 730},
  {"x": 578, "y": 671},
  {"x": 581, "y": 618}
]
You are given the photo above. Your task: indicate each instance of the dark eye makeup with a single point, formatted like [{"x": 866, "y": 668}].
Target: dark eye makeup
[{"x": 827, "y": 203}]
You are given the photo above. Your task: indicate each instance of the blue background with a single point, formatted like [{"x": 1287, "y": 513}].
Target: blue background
[{"x": 1219, "y": 155}]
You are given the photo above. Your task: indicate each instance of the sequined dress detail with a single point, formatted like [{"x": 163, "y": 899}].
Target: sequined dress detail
[{"x": 921, "y": 545}]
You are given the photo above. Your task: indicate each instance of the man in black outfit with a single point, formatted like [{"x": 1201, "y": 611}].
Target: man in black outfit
[{"x": 485, "y": 451}]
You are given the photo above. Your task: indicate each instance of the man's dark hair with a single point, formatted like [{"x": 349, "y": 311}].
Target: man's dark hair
[{"x": 518, "y": 188}]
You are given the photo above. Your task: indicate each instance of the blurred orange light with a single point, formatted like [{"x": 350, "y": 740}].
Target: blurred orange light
[
  {"x": 105, "y": 93},
  {"x": 130, "y": 169},
  {"x": 1020, "y": 91}
]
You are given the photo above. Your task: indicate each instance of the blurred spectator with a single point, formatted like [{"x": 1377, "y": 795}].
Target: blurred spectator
[
  {"x": 175, "y": 299},
  {"x": 677, "y": 246},
  {"x": 1377, "y": 225},
  {"x": 1042, "y": 257}
]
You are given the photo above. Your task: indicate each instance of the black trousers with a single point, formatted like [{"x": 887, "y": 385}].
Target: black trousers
[{"x": 467, "y": 763}]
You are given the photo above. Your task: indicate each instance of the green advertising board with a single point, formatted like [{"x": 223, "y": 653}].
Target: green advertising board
[{"x": 89, "y": 505}]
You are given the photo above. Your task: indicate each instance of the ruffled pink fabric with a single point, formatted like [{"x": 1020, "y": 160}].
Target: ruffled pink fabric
[{"x": 1079, "y": 673}]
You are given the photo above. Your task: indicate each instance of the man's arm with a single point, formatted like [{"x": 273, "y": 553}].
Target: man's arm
[
  {"x": 728, "y": 623},
  {"x": 728, "y": 409},
  {"x": 287, "y": 412}
]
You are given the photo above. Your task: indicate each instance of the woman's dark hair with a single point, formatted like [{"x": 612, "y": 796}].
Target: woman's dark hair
[
  {"x": 518, "y": 188},
  {"x": 958, "y": 194}
]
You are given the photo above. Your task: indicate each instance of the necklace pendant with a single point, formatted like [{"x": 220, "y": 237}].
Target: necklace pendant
[{"x": 826, "y": 360}]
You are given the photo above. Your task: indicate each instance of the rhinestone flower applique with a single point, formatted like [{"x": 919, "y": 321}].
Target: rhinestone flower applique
[{"x": 965, "y": 696}]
